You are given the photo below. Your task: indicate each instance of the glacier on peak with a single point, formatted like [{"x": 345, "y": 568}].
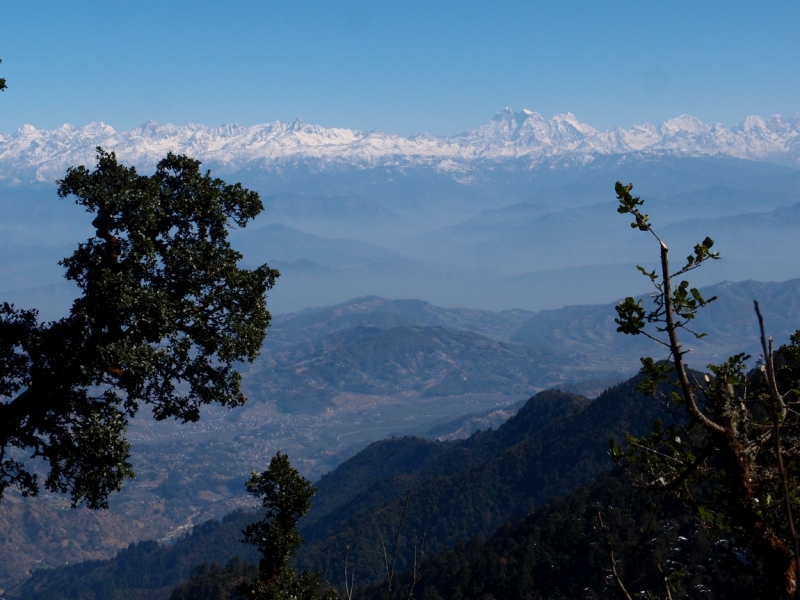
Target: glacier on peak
[{"x": 509, "y": 135}]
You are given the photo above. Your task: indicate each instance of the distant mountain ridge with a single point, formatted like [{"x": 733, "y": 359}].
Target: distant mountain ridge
[
  {"x": 319, "y": 358},
  {"x": 524, "y": 138}
]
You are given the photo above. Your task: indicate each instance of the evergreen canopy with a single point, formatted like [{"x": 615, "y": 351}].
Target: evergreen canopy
[{"x": 164, "y": 315}]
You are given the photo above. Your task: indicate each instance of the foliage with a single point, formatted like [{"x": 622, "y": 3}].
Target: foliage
[
  {"x": 164, "y": 316},
  {"x": 3, "y": 85},
  {"x": 732, "y": 447},
  {"x": 286, "y": 496}
]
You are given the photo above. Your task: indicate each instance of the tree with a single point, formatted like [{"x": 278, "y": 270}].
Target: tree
[
  {"x": 3, "y": 85},
  {"x": 731, "y": 447},
  {"x": 286, "y": 496},
  {"x": 163, "y": 317}
]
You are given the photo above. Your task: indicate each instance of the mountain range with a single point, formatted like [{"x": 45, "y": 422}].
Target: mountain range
[
  {"x": 517, "y": 213},
  {"x": 523, "y": 138}
]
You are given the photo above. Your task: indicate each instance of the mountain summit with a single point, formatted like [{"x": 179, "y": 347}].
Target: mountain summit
[{"x": 524, "y": 137}]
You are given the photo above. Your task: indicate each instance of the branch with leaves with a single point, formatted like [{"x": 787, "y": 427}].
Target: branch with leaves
[{"x": 730, "y": 447}]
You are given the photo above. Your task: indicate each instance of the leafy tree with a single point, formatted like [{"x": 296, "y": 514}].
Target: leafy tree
[
  {"x": 286, "y": 496},
  {"x": 164, "y": 315},
  {"x": 732, "y": 449},
  {"x": 3, "y": 85}
]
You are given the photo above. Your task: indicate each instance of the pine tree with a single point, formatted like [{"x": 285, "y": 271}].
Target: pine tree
[{"x": 286, "y": 496}]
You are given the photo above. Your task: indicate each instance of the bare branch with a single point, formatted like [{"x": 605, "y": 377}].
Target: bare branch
[
  {"x": 390, "y": 571},
  {"x": 779, "y": 408},
  {"x": 349, "y": 588},
  {"x": 665, "y": 580},
  {"x": 770, "y": 365},
  {"x": 385, "y": 558},
  {"x": 418, "y": 563},
  {"x": 611, "y": 558},
  {"x": 688, "y": 394}
]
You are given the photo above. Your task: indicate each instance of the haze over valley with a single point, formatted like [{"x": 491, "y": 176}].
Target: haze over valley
[{"x": 525, "y": 217}]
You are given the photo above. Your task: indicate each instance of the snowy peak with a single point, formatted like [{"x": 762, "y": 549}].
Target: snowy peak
[{"x": 510, "y": 135}]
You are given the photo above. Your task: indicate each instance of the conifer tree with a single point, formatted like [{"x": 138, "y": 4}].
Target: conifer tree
[{"x": 286, "y": 496}]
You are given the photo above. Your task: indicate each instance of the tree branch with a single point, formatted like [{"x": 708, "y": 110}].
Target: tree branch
[
  {"x": 396, "y": 542},
  {"x": 611, "y": 559},
  {"x": 675, "y": 346},
  {"x": 779, "y": 408}
]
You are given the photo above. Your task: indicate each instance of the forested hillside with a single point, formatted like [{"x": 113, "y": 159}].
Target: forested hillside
[
  {"x": 559, "y": 551},
  {"x": 355, "y": 343},
  {"x": 556, "y": 442},
  {"x": 491, "y": 478}
]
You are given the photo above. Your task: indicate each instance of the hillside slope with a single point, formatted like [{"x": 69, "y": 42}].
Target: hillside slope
[
  {"x": 428, "y": 361},
  {"x": 481, "y": 491},
  {"x": 559, "y": 551},
  {"x": 555, "y": 443},
  {"x": 147, "y": 570}
]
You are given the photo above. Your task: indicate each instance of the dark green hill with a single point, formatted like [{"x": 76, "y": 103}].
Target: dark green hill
[
  {"x": 479, "y": 491},
  {"x": 559, "y": 551},
  {"x": 147, "y": 570},
  {"x": 386, "y": 473},
  {"x": 387, "y": 458},
  {"x": 555, "y": 443}
]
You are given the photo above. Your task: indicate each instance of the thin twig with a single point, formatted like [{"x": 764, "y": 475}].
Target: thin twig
[
  {"x": 656, "y": 452},
  {"x": 418, "y": 564},
  {"x": 770, "y": 365},
  {"x": 385, "y": 558},
  {"x": 396, "y": 542},
  {"x": 779, "y": 408},
  {"x": 640, "y": 219},
  {"x": 611, "y": 559},
  {"x": 348, "y": 589},
  {"x": 664, "y": 579}
]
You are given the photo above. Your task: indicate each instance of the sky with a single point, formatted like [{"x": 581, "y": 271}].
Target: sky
[{"x": 403, "y": 67}]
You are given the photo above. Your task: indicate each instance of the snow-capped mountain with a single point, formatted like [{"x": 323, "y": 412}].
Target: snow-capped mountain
[{"x": 44, "y": 155}]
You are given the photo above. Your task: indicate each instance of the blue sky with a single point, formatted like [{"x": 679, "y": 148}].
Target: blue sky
[{"x": 402, "y": 66}]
